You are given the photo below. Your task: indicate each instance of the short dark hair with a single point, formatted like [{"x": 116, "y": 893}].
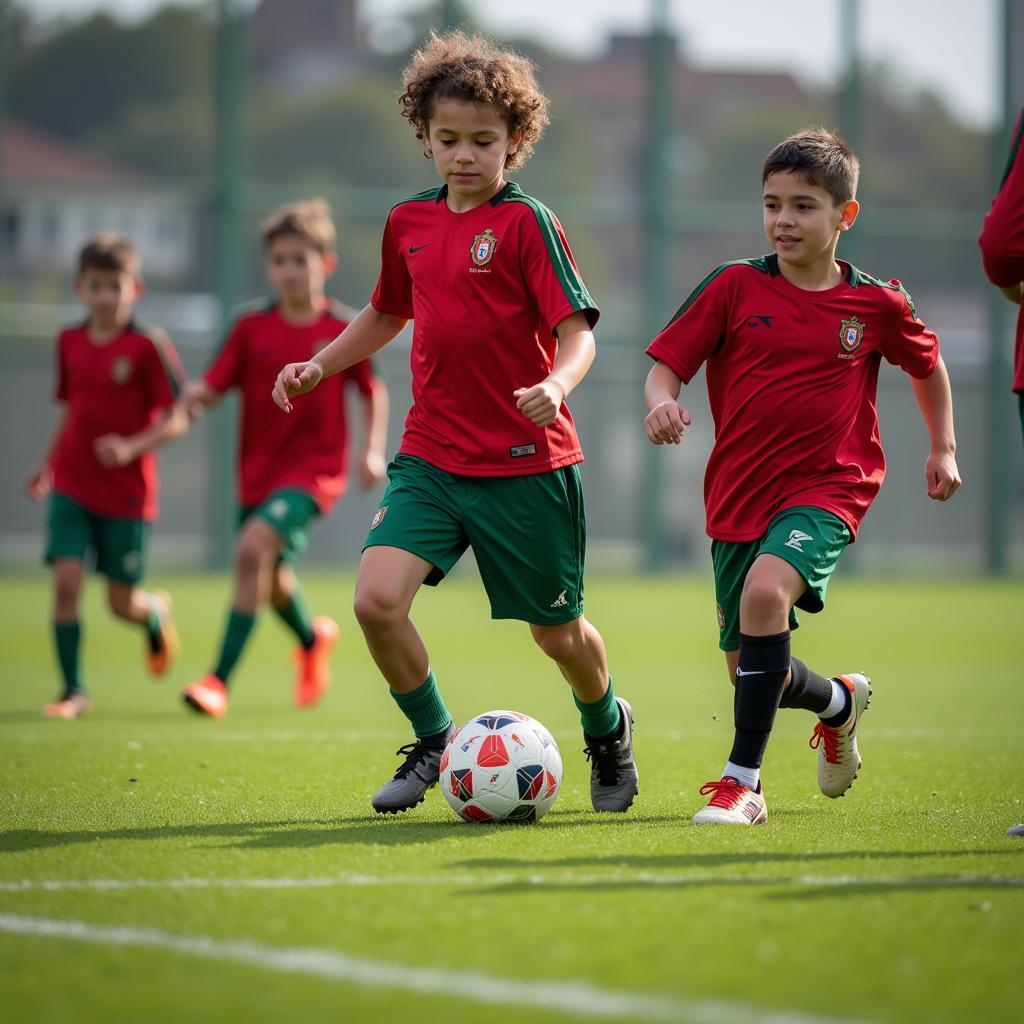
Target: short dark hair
[
  {"x": 309, "y": 219},
  {"x": 819, "y": 156},
  {"x": 472, "y": 68},
  {"x": 108, "y": 252}
]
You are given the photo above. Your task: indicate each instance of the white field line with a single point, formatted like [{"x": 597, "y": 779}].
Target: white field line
[
  {"x": 577, "y": 998},
  {"x": 525, "y": 879}
]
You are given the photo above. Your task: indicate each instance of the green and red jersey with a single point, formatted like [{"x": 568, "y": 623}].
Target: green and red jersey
[
  {"x": 116, "y": 387},
  {"x": 791, "y": 377},
  {"x": 1002, "y": 238},
  {"x": 486, "y": 289},
  {"x": 307, "y": 449}
]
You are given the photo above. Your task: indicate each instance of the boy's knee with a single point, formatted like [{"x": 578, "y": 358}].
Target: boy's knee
[
  {"x": 251, "y": 552},
  {"x": 763, "y": 597},
  {"x": 66, "y": 586},
  {"x": 119, "y": 601},
  {"x": 559, "y": 643},
  {"x": 376, "y": 607}
]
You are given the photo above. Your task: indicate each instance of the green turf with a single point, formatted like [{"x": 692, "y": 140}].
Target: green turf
[{"x": 901, "y": 902}]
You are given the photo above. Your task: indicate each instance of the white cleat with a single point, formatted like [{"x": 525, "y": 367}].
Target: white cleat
[
  {"x": 732, "y": 804},
  {"x": 838, "y": 758}
]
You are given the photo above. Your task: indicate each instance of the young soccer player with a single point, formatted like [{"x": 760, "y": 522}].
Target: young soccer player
[
  {"x": 1002, "y": 247},
  {"x": 489, "y": 456},
  {"x": 793, "y": 342},
  {"x": 290, "y": 470},
  {"x": 119, "y": 381}
]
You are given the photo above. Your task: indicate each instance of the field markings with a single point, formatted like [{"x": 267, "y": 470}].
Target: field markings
[
  {"x": 576, "y": 998},
  {"x": 525, "y": 879}
]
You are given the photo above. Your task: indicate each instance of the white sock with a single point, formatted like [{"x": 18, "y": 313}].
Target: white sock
[
  {"x": 838, "y": 701},
  {"x": 749, "y": 777}
]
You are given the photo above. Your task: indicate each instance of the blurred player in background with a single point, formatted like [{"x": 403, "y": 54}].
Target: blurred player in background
[
  {"x": 119, "y": 380},
  {"x": 1002, "y": 248},
  {"x": 291, "y": 470},
  {"x": 793, "y": 342},
  {"x": 489, "y": 456}
]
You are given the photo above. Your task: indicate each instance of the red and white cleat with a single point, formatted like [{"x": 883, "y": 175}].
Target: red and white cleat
[
  {"x": 732, "y": 803},
  {"x": 838, "y": 757}
]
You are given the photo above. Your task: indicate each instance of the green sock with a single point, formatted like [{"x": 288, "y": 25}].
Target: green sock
[
  {"x": 601, "y": 718},
  {"x": 295, "y": 615},
  {"x": 69, "y": 637},
  {"x": 424, "y": 708},
  {"x": 235, "y": 637}
]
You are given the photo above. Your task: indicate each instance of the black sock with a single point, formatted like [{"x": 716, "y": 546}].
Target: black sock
[
  {"x": 806, "y": 689},
  {"x": 760, "y": 677},
  {"x": 837, "y": 720}
]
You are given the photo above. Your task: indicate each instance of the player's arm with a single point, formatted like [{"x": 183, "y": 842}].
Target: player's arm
[
  {"x": 372, "y": 461},
  {"x": 198, "y": 396},
  {"x": 667, "y": 419},
  {"x": 368, "y": 333},
  {"x": 40, "y": 480},
  {"x": 935, "y": 400},
  {"x": 118, "y": 450},
  {"x": 576, "y": 350}
]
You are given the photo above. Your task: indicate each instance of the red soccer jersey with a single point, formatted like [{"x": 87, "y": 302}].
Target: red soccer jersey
[
  {"x": 486, "y": 289},
  {"x": 791, "y": 378},
  {"x": 1002, "y": 239},
  {"x": 118, "y": 387},
  {"x": 307, "y": 449}
]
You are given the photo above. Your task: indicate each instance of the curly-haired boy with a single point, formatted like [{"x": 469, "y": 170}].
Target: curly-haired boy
[{"x": 489, "y": 456}]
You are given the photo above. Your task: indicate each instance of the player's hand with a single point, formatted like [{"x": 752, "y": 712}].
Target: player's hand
[
  {"x": 114, "y": 450},
  {"x": 197, "y": 395},
  {"x": 540, "y": 404},
  {"x": 941, "y": 476},
  {"x": 296, "y": 379},
  {"x": 40, "y": 483},
  {"x": 372, "y": 469},
  {"x": 666, "y": 422}
]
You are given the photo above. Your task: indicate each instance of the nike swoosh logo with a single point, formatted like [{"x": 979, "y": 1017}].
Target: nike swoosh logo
[
  {"x": 751, "y": 672},
  {"x": 416, "y": 248}
]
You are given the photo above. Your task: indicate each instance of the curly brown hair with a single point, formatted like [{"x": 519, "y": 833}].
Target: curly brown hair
[{"x": 472, "y": 68}]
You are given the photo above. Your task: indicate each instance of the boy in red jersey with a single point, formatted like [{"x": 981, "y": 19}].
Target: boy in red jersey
[
  {"x": 290, "y": 471},
  {"x": 119, "y": 380},
  {"x": 489, "y": 456},
  {"x": 793, "y": 343},
  {"x": 1002, "y": 247}
]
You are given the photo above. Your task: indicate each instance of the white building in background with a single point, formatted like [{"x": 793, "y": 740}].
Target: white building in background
[{"x": 56, "y": 195}]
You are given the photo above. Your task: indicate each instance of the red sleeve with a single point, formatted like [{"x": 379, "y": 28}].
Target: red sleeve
[
  {"x": 697, "y": 329},
  {"x": 361, "y": 374},
  {"x": 909, "y": 344},
  {"x": 164, "y": 373},
  {"x": 393, "y": 294},
  {"x": 63, "y": 390},
  {"x": 550, "y": 270},
  {"x": 226, "y": 369},
  {"x": 1002, "y": 233}
]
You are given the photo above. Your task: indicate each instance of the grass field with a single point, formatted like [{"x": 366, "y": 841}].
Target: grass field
[{"x": 160, "y": 867}]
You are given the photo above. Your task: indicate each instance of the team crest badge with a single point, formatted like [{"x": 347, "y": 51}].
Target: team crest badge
[
  {"x": 120, "y": 369},
  {"x": 851, "y": 334},
  {"x": 483, "y": 247},
  {"x": 378, "y": 517}
]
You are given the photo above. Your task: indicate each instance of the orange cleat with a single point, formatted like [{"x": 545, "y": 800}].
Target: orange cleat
[
  {"x": 75, "y": 705},
  {"x": 207, "y": 696},
  {"x": 313, "y": 667},
  {"x": 162, "y": 651}
]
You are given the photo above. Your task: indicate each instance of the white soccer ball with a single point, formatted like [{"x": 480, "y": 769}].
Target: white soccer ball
[{"x": 501, "y": 766}]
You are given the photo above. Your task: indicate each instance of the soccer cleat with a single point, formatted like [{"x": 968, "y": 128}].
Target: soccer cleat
[
  {"x": 418, "y": 773},
  {"x": 207, "y": 696},
  {"x": 162, "y": 649},
  {"x": 732, "y": 803},
  {"x": 72, "y": 705},
  {"x": 313, "y": 675},
  {"x": 614, "y": 781},
  {"x": 838, "y": 757}
]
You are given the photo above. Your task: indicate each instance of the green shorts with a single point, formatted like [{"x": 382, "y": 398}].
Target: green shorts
[
  {"x": 528, "y": 533},
  {"x": 288, "y": 512},
  {"x": 118, "y": 544},
  {"x": 810, "y": 539}
]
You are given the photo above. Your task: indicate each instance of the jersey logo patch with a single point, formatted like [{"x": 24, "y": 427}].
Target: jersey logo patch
[
  {"x": 120, "y": 369},
  {"x": 760, "y": 321},
  {"x": 483, "y": 247},
  {"x": 517, "y": 451},
  {"x": 560, "y": 602},
  {"x": 378, "y": 517},
  {"x": 797, "y": 538},
  {"x": 851, "y": 334}
]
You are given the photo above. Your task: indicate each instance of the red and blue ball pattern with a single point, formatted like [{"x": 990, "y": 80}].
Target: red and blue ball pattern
[{"x": 501, "y": 766}]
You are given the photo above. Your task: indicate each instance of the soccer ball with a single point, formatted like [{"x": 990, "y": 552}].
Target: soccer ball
[{"x": 501, "y": 766}]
